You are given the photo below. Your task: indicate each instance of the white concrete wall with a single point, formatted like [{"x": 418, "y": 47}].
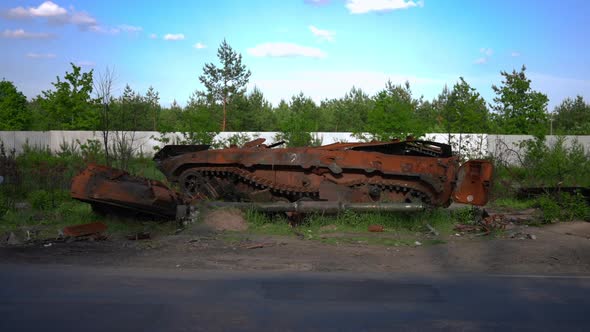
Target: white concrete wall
[{"x": 468, "y": 145}]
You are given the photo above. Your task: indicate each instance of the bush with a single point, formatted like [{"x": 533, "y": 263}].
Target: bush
[
  {"x": 40, "y": 200},
  {"x": 563, "y": 207},
  {"x": 556, "y": 164},
  {"x": 4, "y": 204}
]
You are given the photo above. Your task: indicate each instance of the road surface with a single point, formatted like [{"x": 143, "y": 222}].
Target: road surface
[{"x": 70, "y": 298}]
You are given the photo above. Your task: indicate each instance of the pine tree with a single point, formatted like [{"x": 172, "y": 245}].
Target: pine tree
[{"x": 227, "y": 80}]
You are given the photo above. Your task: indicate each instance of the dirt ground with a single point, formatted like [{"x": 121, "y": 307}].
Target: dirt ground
[{"x": 562, "y": 248}]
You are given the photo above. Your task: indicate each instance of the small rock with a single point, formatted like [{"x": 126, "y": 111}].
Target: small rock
[
  {"x": 457, "y": 234},
  {"x": 532, "y": 236},
  {"x": 47, "y": 245},
  {"x": 418, "y": 243},
  {"x": 13, "y": 240}
]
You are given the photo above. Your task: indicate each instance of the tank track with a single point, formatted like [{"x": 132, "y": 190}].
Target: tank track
[{"x": 301, "y": 192}]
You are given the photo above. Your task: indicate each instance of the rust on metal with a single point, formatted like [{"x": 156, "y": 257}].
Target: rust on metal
[
  {"x": 375, "y": 228},
  {"x": 84, "y": 229},
  {"x": 398, "y": 171},
  {"x": 397, "y": 175},
  {"x": 108, "y": 189}
]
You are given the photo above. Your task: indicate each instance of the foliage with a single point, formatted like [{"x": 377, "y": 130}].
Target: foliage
[
  {"x": 13, "y": 108},
  {"x": 70, "y": 105},
  {"x": 563, "y": 207},
  {"x": 463, "y": 110},
  {"x": 238, "y": 140},
  {"x": 555, "y": 164},
  {"x": 519, "y": 109},
  {"x": 223, "y": 82},
  {"x": 41, "y": 200},
  {"x": 572, "y": 117},
  {"x": 393, "y": 115},
  {"x": 297, "y": 120},
  {"x": 4, "y": 204}
]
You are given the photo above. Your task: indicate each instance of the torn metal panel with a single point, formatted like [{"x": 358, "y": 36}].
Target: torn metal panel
[
  {"x": 112, "y": 189},
  {"x": 84, "y": 229}
]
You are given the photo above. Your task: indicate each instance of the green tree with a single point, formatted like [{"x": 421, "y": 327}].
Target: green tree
[
  {"x": 298, "y": 120},
  {"x": 152, "y": 99},
  {"x": 252, "y": 112},
  {"x": 198, "y": 121},
  {"x": 572, "y": 117},
  {"x": 14, "y": 114},
  {"x": 349, "y": 113},
  {"x": 223, "y": 82},
  {"x": 519, "y": 109},
  {"x": 463, "y": 110},
  {"x": 394, "y": 114},
  {"x": 70, "y": 105}
]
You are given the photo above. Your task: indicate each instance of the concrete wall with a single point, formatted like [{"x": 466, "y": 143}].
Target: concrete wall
[{"x": 468, "y": 145}]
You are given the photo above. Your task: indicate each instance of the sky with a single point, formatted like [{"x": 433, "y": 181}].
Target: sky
[{"x": 319, "y": 47}]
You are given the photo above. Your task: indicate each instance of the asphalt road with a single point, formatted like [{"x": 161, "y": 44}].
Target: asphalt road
[{"x": 66, "y": 298}]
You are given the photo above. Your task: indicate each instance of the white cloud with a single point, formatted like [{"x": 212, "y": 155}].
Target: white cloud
[
  {"x": 199, "y": 46},
  {"x": 515, "y": 54},
  {"x": 322, "y": 34},
  {"x": 22, "y": 34},
  {"x": 366, "y": 6},
  {"x": 174, "y": 36},
  {"x": 103, "y": 29},
  {"x": 481, "y": 61},
  {"x": 130, "y": 28},
  {"x": 487, "y": 51},
  {"x": 82, "y": 19},
  {"x": 55, "y": 14},
  {"x": 285, "y": 50},
  {"x": 46, "y": 9},
  {"x": 153, "y": 36},
  {"x": 40, "y": 55}
]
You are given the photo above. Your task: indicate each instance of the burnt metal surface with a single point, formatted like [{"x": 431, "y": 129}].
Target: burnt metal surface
[
  {"x": 108, "y": 190},
  {"x": 84, "y": 229},
  {"x": 399, "y": 171}
]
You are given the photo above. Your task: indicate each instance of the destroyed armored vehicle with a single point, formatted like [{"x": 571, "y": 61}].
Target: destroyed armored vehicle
[{"x": 361, "y": 176}]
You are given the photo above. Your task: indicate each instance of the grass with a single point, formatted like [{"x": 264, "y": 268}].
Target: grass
[
  {"x": 400, "y": 229},
  {"x": 70, "y": 212},
  {"x": 513, "y": 203}
]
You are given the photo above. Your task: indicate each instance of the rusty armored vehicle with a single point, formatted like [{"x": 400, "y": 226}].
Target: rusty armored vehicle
[{"x": 394, "y": 175}]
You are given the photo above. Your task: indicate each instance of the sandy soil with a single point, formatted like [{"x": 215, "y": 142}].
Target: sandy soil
[{"x": 556, "y": 249}]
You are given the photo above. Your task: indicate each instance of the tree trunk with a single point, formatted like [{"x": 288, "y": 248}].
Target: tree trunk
[{"x": 224, "y": 113}]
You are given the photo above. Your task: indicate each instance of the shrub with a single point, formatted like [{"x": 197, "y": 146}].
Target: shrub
[{"x": 563, "y": 207}]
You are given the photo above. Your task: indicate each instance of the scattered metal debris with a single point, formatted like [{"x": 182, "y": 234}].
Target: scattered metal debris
[
  {"x": 485, "y": 226},
  {"x": 259, "y": 245},
  {"x": 432, "y": 230},
  {"x": 84, "y": 229},
  {"x": 111, "y": 190},
  {"x": 375, "y": 228}
]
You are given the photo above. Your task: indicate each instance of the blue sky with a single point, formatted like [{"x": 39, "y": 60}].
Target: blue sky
[{"x": 319, "y": 47}]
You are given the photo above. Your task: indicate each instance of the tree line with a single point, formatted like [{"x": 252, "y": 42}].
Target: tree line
[{"x": 84, "y": 101}]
